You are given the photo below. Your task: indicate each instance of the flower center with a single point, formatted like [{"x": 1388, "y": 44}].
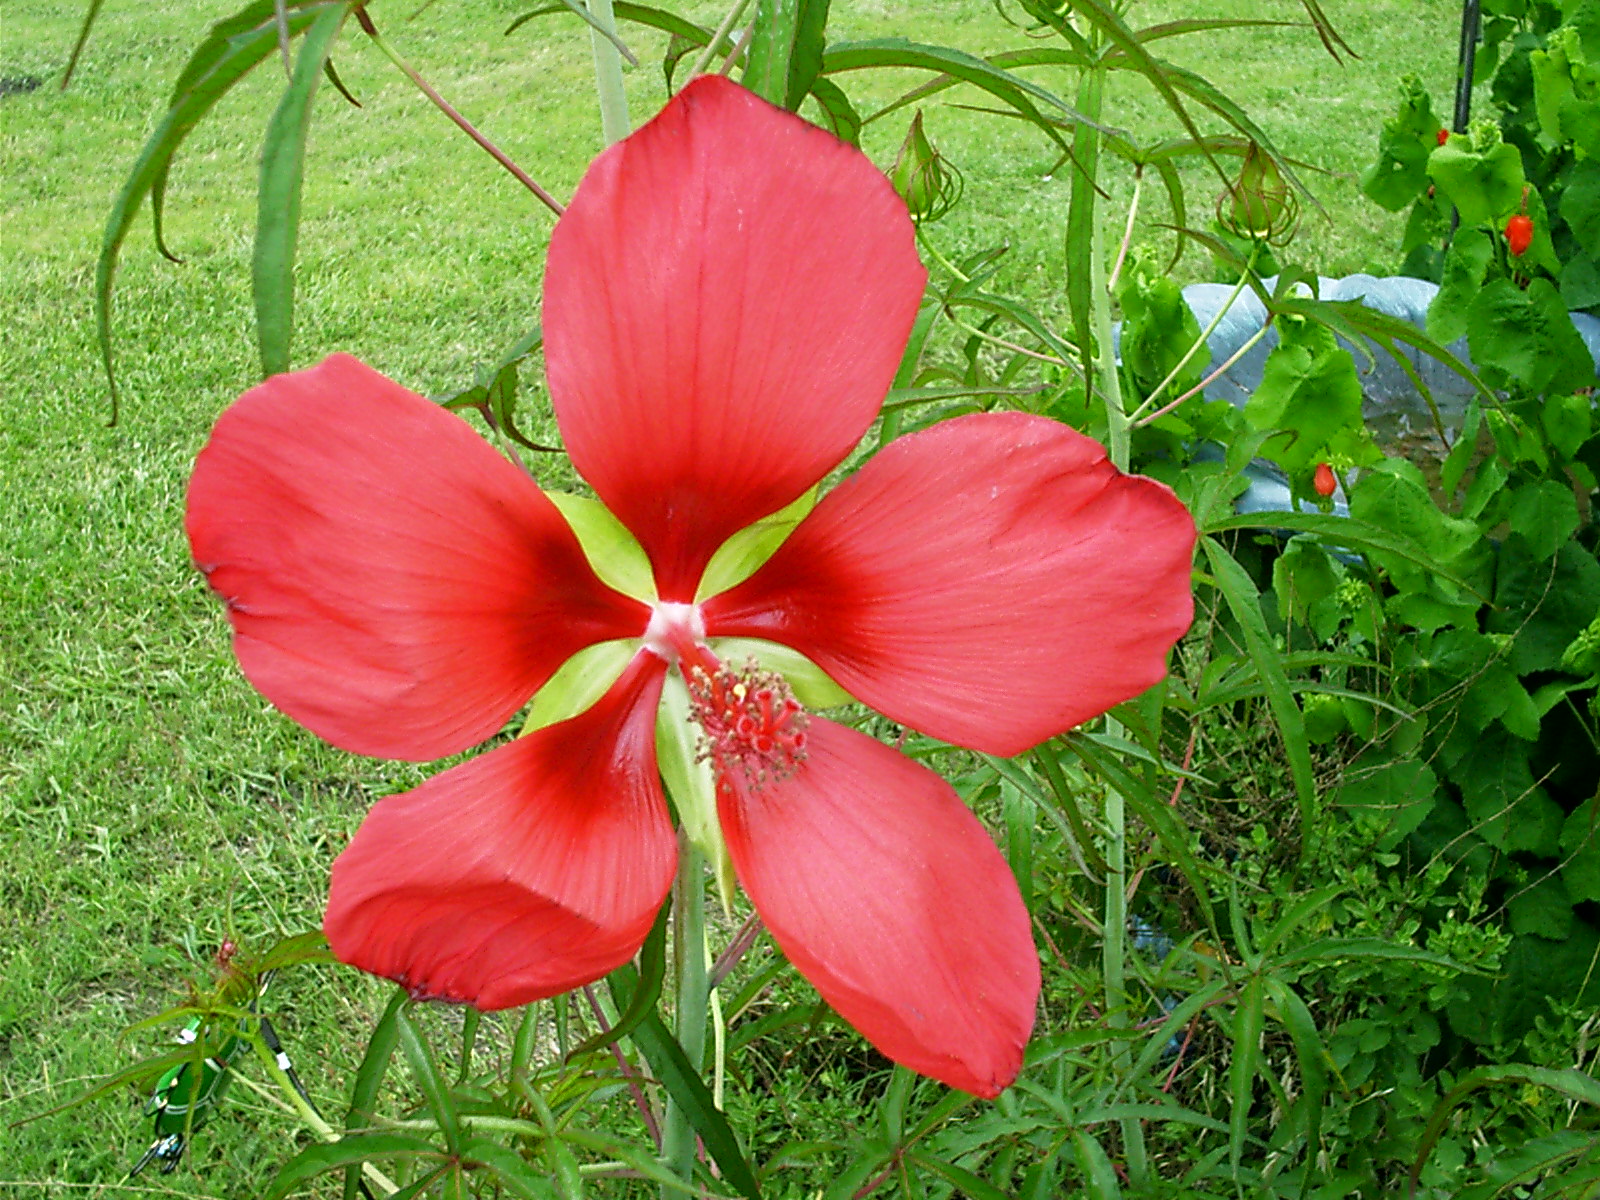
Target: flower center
[{"x": 751, "y": 720}]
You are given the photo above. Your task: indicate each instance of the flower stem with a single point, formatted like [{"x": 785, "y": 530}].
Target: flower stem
[
  {"x": 445, "y": 107},
  {"x": 614, "y": 123},
  {"x": 693, "y": 995},
  {"x": 721, "y": 35},
  {"x": 1107, "y": 379},
  {"x": 1203, "y": 340}
]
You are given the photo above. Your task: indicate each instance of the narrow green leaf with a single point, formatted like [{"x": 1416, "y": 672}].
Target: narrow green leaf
[
  {"x": 646, "y": 988},
  {"x": 232, "y": 49},
  {"x": 1166, "y": 29},
  {"x": 1243, "y": 601},
  {"x": 349, "y": 1151},
  {"x": 671, "y": 1066},
  {"x": 844, "y": 122},
  {"x": 1170, "y": 831},
  {"x": 971, "y": 1187},
  {"x": 785, "y": 51},
  {"x": 369, "y": 1078},
  {"x": 1311, "y": 1055},
  {"x": 1099, "y": 1175},
  {"x": 1325, "y": 951},
  {"x": 1297, "y": 913},
  {"x": 1032, "y": 57},
  {"x": 426, "y": 1072},
  {"x": 311, "y": 946},
  {"x": 640, "y": 14},
  {"x": 1571, "y": 1082},
  {"x": 899, "y": 52},
  {"x": 278, "y": 199},
  {"x": 515, "y": 1173},
  {"x": 1242, "y": 1069},
  {"x": 1344, "y": 533}
]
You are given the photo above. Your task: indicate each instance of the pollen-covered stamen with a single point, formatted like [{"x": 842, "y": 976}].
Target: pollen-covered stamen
[{"x": 751, "y": 720}]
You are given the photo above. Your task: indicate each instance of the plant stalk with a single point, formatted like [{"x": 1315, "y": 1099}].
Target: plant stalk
[
  {"x": 614, "y": 123},
  {"x": 444, "y": 106},
  {"x": 1107, "y": 380},
  {"x": 691, "y": 1009}
]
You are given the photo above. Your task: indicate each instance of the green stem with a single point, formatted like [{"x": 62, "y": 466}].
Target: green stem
[
  {"x": 1203, "y": 340},
  {"x": 444, "y": 106},
  {"x": 1106, "y": 379},
  {"x": 614, "y": 123},
  {"x": 693, "y": 996},
  {"x": 717, "y": 38}
]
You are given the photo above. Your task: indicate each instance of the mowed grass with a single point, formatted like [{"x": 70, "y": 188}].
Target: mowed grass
[{"x": 151, "y": 803}]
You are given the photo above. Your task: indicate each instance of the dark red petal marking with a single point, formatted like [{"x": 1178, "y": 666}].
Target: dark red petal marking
[
  {"x": 992, "y": 581},
  {"x": 888, "y": 895},
  {"x": 520, "y": 874},
  {"x": 726, "y": 301},
  {"x": 394, "y": 584}
]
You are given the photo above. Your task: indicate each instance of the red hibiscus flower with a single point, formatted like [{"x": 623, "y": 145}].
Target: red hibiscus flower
[{"x": 726, "y": 302}]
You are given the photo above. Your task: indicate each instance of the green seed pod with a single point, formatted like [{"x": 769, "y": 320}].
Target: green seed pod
[
  {"x": 1259, "y": 203},
  {"x": 924, "y": 178}
]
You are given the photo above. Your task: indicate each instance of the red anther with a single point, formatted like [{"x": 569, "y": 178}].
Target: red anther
[{"x": 752, "y": 722}]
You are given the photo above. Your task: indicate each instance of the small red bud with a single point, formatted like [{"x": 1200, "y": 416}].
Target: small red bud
[
  {"x": 1519, "y": 234},
  {"x": 1443, "y": 136},
  {"x": 1324, "y": 481}
]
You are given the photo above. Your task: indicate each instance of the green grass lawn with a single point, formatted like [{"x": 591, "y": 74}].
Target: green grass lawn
[{"x": 151, "y": 804}]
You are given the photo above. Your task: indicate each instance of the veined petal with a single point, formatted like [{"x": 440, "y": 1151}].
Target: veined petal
[
  {"x": 725, "y": 304},
  {"x": 888, "y": 895},
  {"x": 394, "y": 584},
  {"x": 520, "y": 874},
  {"x": 991, "y": 581}
]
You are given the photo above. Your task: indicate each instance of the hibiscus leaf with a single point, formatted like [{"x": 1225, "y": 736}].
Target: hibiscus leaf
[
  {"x": 844, "y": 122},
  {"x": 654, "y": 18},
  {"x": 1003, "y": 85},
  {"x": 311, "y": 946},
  {"x": 369, "y": 1077},
  {"x": 972, "y": 1186},
  {"x": 786, "y": 50},
  {"x": 1244, "y": 603},
  {"x": 1153, "y": 810},
  {"x": 232, "y": 49},
  {"x": 513, "y": 1172},
  {"x": 1248, "y": 1019},
  {"x": 278, "y": 199},
  {"x": 426, "y": 1072},
  {"x": 671, "y": 1066},
  {"x": 349, "y": 1151}
]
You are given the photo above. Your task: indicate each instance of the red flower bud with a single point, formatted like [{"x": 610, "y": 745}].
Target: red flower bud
[
  {"x": 1444, "y": 136},
  {"x": 1324, "y": 480},
  {"x": 1519, "y": 234}
]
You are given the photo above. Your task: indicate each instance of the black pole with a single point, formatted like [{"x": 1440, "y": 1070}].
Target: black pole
[{"x": 1469, "y": 49}]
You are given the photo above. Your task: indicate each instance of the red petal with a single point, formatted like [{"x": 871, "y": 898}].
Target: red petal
[
  {"x": 394, "y": 584},
  {"x": 991, "y": 581},
  {"x": 887, "y": 894},
  {"x": 521, "y": 874},
  {"x": 725, "y": 305}
]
